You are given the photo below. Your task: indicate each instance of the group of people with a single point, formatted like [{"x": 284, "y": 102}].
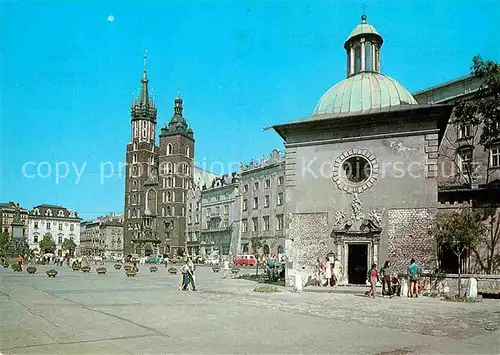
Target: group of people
[
  {"x": 391, "y": 284},
  {"x": 328, "y": 272}
]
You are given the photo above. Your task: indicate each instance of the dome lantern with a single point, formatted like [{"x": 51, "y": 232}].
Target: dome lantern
[{"x": 363, "y": 49}]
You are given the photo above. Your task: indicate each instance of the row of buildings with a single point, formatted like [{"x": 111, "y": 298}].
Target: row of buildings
[
  {"x": 102, "y": 236},
  {"x": 59, "y": 222},
  {"x": 361, "y": 177}
]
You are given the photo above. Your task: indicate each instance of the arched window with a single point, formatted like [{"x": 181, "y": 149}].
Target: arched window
[
  {"x": 152, "y": 159},
  {"x": 169, "y": 211},
  {"x": 134, "y": 184},
  {"x": 170, "y": 149},
  {"x": 134, "y": 158},
  {"x": 135, "y": 145},
  {"x": 188, "y": 151},
  {"x": 169, "y": 196},
  {"x": 151, "y": 201},
  {"x": 169, "y": 182},
  {"x": 170, "y": 168}
]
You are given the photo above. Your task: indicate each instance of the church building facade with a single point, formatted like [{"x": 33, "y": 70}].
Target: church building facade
[
  {"x": 157, "y": 178},
  {"x": 361, "y": 172}
]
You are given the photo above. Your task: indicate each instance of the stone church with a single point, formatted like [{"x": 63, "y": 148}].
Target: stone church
[
  {"x": 157, "y": 178},
  {"x": 361, "y": 172}
]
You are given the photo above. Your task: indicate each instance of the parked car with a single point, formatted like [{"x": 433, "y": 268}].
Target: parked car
[
  {"x": 156, "y": 259},
  {"x": 213, "y": 261},
  {"x": 245, "y": 260}
]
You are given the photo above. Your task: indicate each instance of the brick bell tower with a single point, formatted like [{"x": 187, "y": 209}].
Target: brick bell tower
[
  {"x": 176, "y": 168},
  {"x": 141, "y": 179}
]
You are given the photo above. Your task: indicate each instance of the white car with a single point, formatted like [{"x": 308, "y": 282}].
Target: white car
[{"x": 213, "y": 261}]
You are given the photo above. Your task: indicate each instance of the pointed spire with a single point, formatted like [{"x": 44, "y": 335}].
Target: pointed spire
[
  {"x": 178, "y": 104},
  {"x": 144, "y": 81}
]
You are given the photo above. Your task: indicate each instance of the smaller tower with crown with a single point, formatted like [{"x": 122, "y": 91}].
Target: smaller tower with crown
[{"x": 176, "y": 169}]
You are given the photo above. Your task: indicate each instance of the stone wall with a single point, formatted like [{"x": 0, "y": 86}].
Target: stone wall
[
  {"x": 448, "y": 283},
  {"x": 408, "y": 238},
  {"x": 308, "y": 240}
]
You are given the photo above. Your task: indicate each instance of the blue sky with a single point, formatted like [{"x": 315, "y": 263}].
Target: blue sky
[{"x": 68, "y": 76}]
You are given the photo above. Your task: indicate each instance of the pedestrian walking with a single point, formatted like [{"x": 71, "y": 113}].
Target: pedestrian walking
[
  {"x": 328, "y": 272},
  {"x": 373, "y": 278},
  {"x": 185, "y": 277},
  {"x": 192, "y": 268}
]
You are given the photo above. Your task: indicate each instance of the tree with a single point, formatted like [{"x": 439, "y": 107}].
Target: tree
[
  {"x": 256, "y": 242},
  {"x": 459, "y": 230},
  {"x": 70, "y": 245},
  {"x": 486, "y": 254},
  {"x": 483, "y": 108},
  {"x": 47, "y": 244},
  {"x": 4, "y": 241}
]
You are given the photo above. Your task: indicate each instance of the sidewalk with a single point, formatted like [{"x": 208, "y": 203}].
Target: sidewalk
[{"x": 354, "y": 290}]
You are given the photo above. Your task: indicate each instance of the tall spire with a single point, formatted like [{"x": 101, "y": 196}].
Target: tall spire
[
  {"x": 178, "y": 104},
  {"x": 144, "y": 81}
]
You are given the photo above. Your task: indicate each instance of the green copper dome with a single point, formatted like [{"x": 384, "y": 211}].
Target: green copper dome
[{"x": 361, "y": 92}]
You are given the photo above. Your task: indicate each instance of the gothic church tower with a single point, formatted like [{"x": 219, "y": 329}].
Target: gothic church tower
[
  {"x": 176, "y": 167},
  {"x": 141, "y": 180}
]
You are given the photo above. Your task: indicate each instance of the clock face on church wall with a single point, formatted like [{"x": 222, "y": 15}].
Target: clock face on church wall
[{"x": 355, "y": 170}]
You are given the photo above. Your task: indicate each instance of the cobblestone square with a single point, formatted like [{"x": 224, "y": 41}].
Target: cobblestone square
[{"x": 77, "y": 313}]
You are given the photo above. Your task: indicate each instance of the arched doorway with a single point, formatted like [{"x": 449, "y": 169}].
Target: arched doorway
[
  {"x": 281, "y": 250},
  {"x": 266, "y": 250},
  {"x": 245, "y": 249}
]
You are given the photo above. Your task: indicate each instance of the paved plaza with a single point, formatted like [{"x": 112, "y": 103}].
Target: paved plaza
[{"x": 78, "y": 313}]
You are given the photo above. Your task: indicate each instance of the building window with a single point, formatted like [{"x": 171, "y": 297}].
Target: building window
[
  {"x": 255, "y": 203},
  {"x": 464, "y": 131},
  {"x": 35, "y": 239},
  {"x": 495, "y": 157},
  {"x": 197, "y": 219},
  {"x": 60, "y": 226},
  {"x": 134, "y": 158},
  {"x": 357, "y": 59},
  {"x": 189, "y": 220},
  {"x": 245, "y": 205},
  {"x": 170, "y": 168},
  {"x": 245, "y": 188},
  {"x": 188, "y": 151},
  {"x": 256, "y": 185},
  {"x": 190, "y": 207},
  {"x": 255, "y": 224},
  {"x": 267, "y": 183},
  {"x": 281, "y": 180},
  {"x": 170, "y": 149},
  {"x": 59, "y": 240},
  {"x": 35, "y": 224},
  {"x": 266, "y": 201},
  {"x": 279, "y": 222},
  {"x": 48, "y": 225},
  {"x": 280, "y": 198},
  {"x": 465, "y": 160},
  {"x": 71, "y": 227},
  {"x": 266, "y": 223},
  {"x": 244, "y": 224},
  {"x": 226, "y": 209}
]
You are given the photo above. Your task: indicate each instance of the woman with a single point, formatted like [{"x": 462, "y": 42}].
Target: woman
[
  {"x": 413, "y": 272},
  {"x": 186, "y": 280},
  {"x": 374, "y": 277},
  {"x": 328, "y": 272}
]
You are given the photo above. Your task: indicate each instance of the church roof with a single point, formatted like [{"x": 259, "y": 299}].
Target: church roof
[{"x": 361, "y": 92}]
